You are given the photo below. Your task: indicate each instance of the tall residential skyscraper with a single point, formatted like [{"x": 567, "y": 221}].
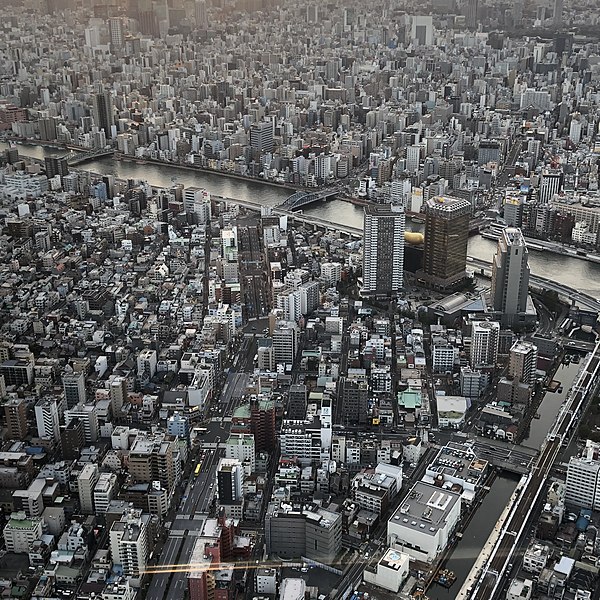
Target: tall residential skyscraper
[
  {"x": 262, "y": 423},
  {"x": 285, "y": 342},
  {"x": 517, "y": 13},
  {"x": 74, "y": 388},
  {"x": 86, "y": 481},
  {"x": 103, "y": 112},
  {"x": 47, "y": 418},
  {"x": 558, "y": 11},
  {"x": 56, "y": 166},
  {"x": 485, "y": 338},
  {"x": 153, "y": 457},
  {"x": 129, "y": 545},
  {"x": 472, "y": 16},
  {"x": 312, "y": 13},
  {"x": 550, "y": 184},
  {"x": 230, "y": 480},
  {"x": 446, "y": 237},
  {"x": 200, "y": 14},
  {"x": 354, "y": 396},
  {"x": 383, "y": 250},
  {"x": 15, "y": 411},
  {"x": 513, "y": 211},
  {"x": 115, "y": 28},
  {"x": 413, "y": 158},
  {"x": 522, "y": 362},
  {"x": 510, "y": 274}
]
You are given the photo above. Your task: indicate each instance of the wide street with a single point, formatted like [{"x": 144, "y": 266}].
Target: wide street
[{"x": 195, "y": 505}]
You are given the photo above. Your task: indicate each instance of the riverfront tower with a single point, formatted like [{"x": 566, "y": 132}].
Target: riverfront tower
[
  {"x": 383, "y": 250},
  {"x": 446, "y": 237},
  {"x": 510, "y": 275}
]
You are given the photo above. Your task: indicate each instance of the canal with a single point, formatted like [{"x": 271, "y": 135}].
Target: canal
[
  {"x": 475, "y": 535},
  {"x": 477, "y": 532},
  {"x": 550, "y": 406}
]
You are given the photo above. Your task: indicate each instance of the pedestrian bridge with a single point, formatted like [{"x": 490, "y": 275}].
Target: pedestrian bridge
[{"x": 301, "y": 199}]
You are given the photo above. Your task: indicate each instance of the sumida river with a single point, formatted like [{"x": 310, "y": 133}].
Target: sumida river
[{"x": 566, "y": 270}]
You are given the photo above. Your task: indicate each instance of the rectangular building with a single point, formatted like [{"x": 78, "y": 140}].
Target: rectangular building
[{"x": 424, "y": 522}]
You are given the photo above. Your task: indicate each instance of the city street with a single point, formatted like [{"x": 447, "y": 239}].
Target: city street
[{"x": 160, "y": 581}]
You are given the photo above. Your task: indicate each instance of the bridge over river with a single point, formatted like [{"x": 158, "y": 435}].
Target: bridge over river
[{"x": 301, "y": 198}]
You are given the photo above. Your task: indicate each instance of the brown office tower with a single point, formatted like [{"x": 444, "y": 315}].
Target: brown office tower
[
  {"x": 445, "y": 247},
  {"x": 72, "y": 438},
  {"x": 262, "y": 420},
  {"x": 152, "y": 458},
  {"x": 15, "y": 411}
]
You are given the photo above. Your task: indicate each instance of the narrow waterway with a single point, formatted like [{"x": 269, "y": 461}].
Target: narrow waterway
[
  {"x": 464, "y": 555},
  {"x": 550, "y": 406},
  {"x": 566, "y": 270},
  {"x": 475, "y": 536}
]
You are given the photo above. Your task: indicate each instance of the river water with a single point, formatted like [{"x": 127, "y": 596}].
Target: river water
[
  {"x": 550, "y": 406},
  {"x": 572, "y": 272},
  {"x": 475, "y": 536}
]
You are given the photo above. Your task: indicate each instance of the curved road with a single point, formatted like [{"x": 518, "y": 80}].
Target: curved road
[{"x": 578, "y": 297}]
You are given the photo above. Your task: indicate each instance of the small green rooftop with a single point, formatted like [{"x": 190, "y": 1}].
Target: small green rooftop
[
  {"x": 409, "y": 399},
  {"x": 18, "y": 521}
]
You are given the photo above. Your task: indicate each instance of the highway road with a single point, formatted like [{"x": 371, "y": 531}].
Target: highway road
[
  {"x": 534, "y": 280},
  {"x": 546, "y": 319},
  {"x": 201, "y": 488},
  {"x": 179, "y": 545},
  {"x": 233, "y": 390},
  {"x": 160, "y": 581},
  {"x": 508, "y": 170},
  {"x": 178, "y": 586},
  {"x": 252, "y": 269}
]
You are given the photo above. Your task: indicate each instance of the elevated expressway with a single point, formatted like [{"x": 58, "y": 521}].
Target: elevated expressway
[
  {"x": 488, "y": 575},
  {"x": 541, "y": 282}
]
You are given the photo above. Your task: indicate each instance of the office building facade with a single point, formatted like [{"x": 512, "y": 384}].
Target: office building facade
[
  {"x": 583, "y": 478},
  {"x": 445, "y": 245},
  {"x": 74, "y": 388},
  {"x": 551, "y": 183},
  {"x": 510, "y": 274}
]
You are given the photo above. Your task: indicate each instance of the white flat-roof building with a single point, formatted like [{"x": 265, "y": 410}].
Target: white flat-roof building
[
  {"x": 390, "y": 572},
  {"x": 423, "y": 523},
  {"x": 266, "y": 581},
  {"x": 536, "y": 557},
  {"x": 583, "y": 478},
  {"x": 451, "y": 410},
  {"x": 292, "y": 588},
  {"x": 457, "y": 464},
  {"x": 20, "y": 532},
  {"x": 520, "y": 589}
]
